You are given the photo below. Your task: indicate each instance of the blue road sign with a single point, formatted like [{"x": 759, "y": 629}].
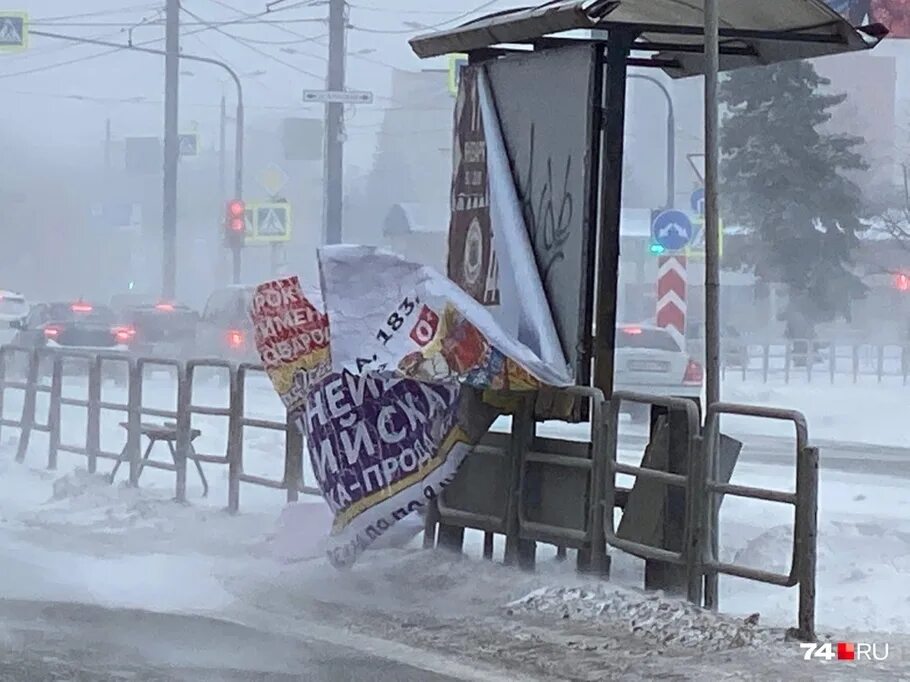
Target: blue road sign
[
  {"x": 697, "y": 200},
  {"x": 671, "y": 229}
]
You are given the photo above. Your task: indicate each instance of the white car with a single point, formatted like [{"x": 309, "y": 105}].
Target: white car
[
  {"x": 13, "y": 308},
  {"x": 649, "y": 360}
]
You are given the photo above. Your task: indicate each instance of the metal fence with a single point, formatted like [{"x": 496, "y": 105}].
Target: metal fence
[
  {"x": 525, "y": 487},
  {"x": 696, "y": 547},
  {"x": 174, "y": 428},
  {"x": 816, "y": 361}
]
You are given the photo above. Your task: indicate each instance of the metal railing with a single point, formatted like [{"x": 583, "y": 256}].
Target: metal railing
[
  {"x": 704, "y": 489},
  {"x": 804, "y": 500},
  {"x": 686, "y": 556},
  {"x": 814, "y": 360},
  {"x": 177, "y": 428}
]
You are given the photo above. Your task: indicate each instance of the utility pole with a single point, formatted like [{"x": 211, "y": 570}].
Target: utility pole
[
  {"x": 222, "y": 153},
  {"x": 334, "y": 125},
  {"x": 712, "y": 237},
  {"x": 171, "y": 149}
]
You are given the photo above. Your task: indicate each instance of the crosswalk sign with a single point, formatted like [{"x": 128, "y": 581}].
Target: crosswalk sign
[
  {"x": 13, "y": 31},
  {"x": 271, "y": 222},
  {"x": 189, "y": 144},
  {"x": 695, "y": 249}
]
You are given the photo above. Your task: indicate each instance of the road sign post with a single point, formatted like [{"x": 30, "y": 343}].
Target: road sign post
[
  {"x": 672, "y": 283},
  {"x": 13, "y": 31},
  {"x": 337, "y": 96}
]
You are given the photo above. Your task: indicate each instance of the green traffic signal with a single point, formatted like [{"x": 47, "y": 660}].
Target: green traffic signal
[{"x": 657, "y": 249}]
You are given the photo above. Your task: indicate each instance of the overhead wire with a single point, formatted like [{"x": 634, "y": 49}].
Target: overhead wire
[
  {"x": 205, "y": 26},
  {"x": 255, "y": 49},
  {"x": 441, "y": 24}
]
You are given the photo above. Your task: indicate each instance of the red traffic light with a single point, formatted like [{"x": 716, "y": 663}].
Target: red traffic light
[{"x": 235, "y": 216}]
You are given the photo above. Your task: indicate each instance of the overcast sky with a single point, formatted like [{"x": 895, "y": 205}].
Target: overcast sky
[{"x": 277, "y": 62}]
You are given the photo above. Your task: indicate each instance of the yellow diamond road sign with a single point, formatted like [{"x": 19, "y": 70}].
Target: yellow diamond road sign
[
  {"x": 273, "y": 179},
  {"x": 13, "y": 31}
]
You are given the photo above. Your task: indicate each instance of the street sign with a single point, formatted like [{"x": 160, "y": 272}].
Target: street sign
[
  {"x": 273, "y": 179},
  {"x": 340, "y": 96},
  {"x": 271, "y": 222},
  {"x": 13, "y": 31},
  {"x": 671, "y": 229},
  {"x": 697, "y": 201},
  {"x": 456, "y": 63},
  {"x": 695, "y": 249},
  {"x": 188, "y": 144}
]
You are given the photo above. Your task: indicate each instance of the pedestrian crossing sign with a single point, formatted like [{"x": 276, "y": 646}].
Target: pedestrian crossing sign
[
  {"x": 13, "y": 31},
  {"x": 271, "y": 222}
]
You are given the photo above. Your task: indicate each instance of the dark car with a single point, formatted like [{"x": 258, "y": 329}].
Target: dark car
[
  {"x": 225, "y": 330},
  {"x": 161, "y": 329},
  {"x": 79, "y": 326}
]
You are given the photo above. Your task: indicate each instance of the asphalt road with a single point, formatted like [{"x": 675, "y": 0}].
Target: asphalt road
[
  {"x": 44, "y": 641},
  {"x": 854, "y": 458}
]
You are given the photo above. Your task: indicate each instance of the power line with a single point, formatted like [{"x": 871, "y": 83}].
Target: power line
[
  {"x": 441, "y": 24},
  {"x": 123, "y": 24},
  {"x": 140, "y": 101},
  {"x": 99, "y": 13},
  {"x": 388, "y": 10},
  {"x": 262, "y": 53},
  {"x": 103, "y": 53}
]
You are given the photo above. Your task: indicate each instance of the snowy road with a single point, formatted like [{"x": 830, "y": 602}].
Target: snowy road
[{"x": 41, "y": 641}]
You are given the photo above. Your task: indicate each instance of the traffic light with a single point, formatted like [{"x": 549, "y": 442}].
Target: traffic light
[{"x": 235, "y": 223}]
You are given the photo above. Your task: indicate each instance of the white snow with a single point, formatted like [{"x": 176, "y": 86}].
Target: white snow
[{"x": 67, "y": 535}]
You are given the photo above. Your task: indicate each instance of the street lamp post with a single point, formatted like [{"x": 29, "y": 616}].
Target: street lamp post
[{"x": 238, "y": 140}]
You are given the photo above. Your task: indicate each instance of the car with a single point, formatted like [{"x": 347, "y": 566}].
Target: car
[
  {"x": 77, "y": 326},
  {"x": 225, "y": 329},
  {"x": 161, "y": 329},
  {"x": 13, "y": 309},
  {"x": 648, "y": 359}
]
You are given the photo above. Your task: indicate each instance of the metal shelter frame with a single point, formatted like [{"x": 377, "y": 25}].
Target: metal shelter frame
[{"x": 671, "y": 34}]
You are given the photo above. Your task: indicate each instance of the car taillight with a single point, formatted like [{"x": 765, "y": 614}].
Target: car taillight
[
  {"x": 694, "y": 373},
  {"x": 51, "y": 332},
  {"x": 165, "y": 307},
  {"x": 124, "y": 334},
  {"x": 81, "y": 308},
  {"x": 235, "y": 339}
]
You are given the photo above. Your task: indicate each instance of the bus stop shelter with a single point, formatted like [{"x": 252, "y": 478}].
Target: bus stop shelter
[{"x": 662, "y": 34}]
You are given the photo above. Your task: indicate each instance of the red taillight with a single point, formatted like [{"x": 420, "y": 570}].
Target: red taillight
[
  {"x": 51, "y": 332},
  {"x": 694, "y": 373},
  {"x": 124, "y": 334},
  {"x": 235, "y": 339},
  {"x": 165, "y": 307},
  {"x": 81, "y": 308},
  {"x": 634, "y": 331}
]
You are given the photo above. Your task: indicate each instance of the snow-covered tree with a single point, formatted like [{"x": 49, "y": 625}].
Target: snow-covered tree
[{"x": 786, "y": 180}]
